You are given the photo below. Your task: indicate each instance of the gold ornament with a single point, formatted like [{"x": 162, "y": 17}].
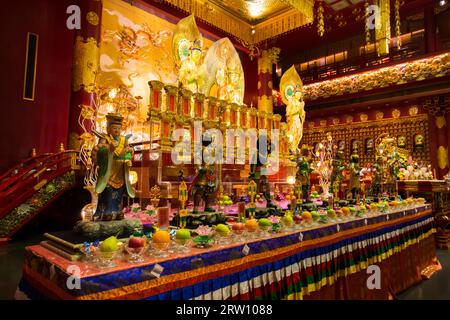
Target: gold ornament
[
  {"x": 413, "y": 111},
  {"x": 379, "y": 115},
  {"x": 92, "y": 18},
  {"x": 397, "y": 24},
  {"x": 442, "y": 157},
  {"x": 349, "y": 119},
  {"x": 440, "y": 122},
  {"x": 383, "y": 31},
  {"x": 320, "y": 20},
  {"x": 396, "y": 113},
  {"x": 86, "y": 63},
  {"x": 87, "y": 112},
  {"x": 366, "y": 5},
  {"x": 364, "y": 117}
]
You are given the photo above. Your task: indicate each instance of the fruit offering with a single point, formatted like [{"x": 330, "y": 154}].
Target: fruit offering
[
  {"x": 238, "y": 227},
  {"x": 264, "y": 223},
  {"x": 315, "y": 195},
  {"x": 135, "y": 248},
  {"x": 222, "y": 229},
  {"x": 183, "y": 234},
  {"x": 136, "y": 242},
  {"x": 315, "y": 216},
  {"x": 161, "y": 236},
  {"x": 251, "y": 225},
  {"x": 110, "y": 245},
  {"x": 306, "y": 216},
  {"x": 297, "y": 218},
  {"x": 346, "y": 211},
  {"x": 288, "y": 220},
  {"x": 331, "y": 213}
]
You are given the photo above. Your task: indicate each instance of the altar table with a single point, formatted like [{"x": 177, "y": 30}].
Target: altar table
[{"x": 325, "y": 262}]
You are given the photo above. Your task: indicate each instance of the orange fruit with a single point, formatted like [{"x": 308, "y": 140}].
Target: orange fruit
[
  {"x": 251, "y": 224},
  {"x": 306, "y": 215},
  {"x": 346, "y": 211},
  {"x": 161, "y": 236}
]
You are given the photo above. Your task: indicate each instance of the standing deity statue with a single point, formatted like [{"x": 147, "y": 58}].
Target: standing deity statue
[
  {"x": 338, "y": 168},
  {"x": 113, "y": 156},
  {"x": 378, "y": 178},
  {"x": 291, "y": 92},
  {"x": 303, "y": 172},
  {"x": 205, "y": 184},
  {"x": 355, "y": 171},
  {"x": 187, "y": 46}
]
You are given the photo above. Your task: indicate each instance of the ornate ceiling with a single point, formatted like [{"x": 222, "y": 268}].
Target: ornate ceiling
[
  {"x": 253, "y": 11},
  {"x": 250, "y": 21}
]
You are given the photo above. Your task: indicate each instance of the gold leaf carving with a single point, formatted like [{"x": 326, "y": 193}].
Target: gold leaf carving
[
  {"x": 86, "y": 63},
  {"x": 442, "y": 157}
]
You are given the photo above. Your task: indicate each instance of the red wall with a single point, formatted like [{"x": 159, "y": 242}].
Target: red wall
[
  {"x": 43, "y": 123},
  {"x": 250, "y": 68}
]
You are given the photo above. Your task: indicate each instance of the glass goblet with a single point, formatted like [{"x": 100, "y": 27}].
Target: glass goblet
[
  {"x": 161, "y": 249},
  {"x": 106, "y": 259},
  {"x": 264, "y": 231},
  {"x": 135, "y": 254},
  {"x": 183, "y": 245},
  {"x": 223, "y": 238}
]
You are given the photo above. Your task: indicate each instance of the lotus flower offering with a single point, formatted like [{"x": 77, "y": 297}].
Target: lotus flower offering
[
  {"x": 204, "y": 238},
  {"x": 276, "y": 223}
]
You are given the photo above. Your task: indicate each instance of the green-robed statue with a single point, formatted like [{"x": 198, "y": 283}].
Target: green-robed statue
[{"x": 113, "y": 157}]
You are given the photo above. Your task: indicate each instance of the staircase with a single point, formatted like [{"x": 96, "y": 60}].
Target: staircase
[{"x": 31, "y": 186}]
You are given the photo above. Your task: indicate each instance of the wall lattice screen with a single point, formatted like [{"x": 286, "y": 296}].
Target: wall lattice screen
[{"x": 361, "y": 132}]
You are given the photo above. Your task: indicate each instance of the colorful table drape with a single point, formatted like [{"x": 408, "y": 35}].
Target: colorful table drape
[{"x": 328, "y": 262}]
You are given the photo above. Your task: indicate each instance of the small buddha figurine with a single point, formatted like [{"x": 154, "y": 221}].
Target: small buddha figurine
[{"x": 113, "y": 156}]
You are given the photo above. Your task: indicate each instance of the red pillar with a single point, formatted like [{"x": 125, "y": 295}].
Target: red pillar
[
  {"x": 430, "y": 28},
  {"x": 265, "y": 85},
  {"x": 85, "y": 65},
  {"x": 439, "y": 135}
]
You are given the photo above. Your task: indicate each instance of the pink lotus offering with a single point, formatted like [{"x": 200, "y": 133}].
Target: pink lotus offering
[
  {"x": 274, "y": 219},
  {"x": 204, "y": 231}
]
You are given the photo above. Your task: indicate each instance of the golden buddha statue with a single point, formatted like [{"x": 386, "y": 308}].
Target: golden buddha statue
[
  {"x": 291, "y": 92},
  {"x": 187, "y": 46}
]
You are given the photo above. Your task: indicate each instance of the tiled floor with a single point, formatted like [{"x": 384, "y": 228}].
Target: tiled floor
[{"x": 11, "y": 258}]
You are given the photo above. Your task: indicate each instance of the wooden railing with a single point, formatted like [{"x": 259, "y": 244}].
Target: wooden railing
[
  {"x": 368, "y": 58},
  {"x": 21, "y": 182}
]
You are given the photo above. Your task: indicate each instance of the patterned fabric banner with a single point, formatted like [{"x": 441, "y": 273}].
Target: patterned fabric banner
[{"x": 290, "y": 266}]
